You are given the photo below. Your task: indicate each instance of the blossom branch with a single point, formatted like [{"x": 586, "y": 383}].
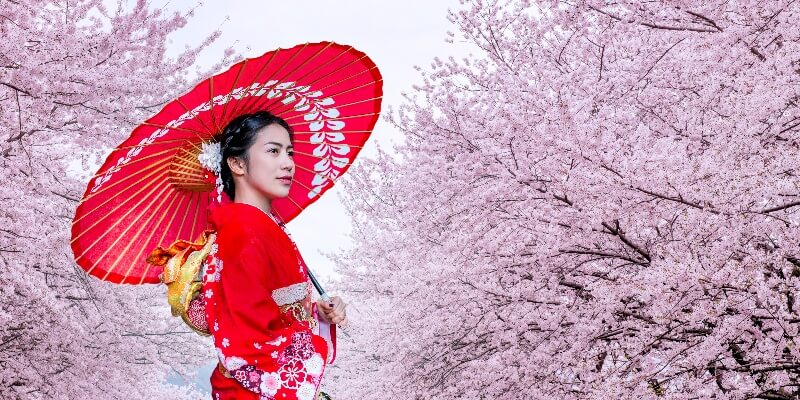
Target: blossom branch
[{"x": 655, "y": 26}]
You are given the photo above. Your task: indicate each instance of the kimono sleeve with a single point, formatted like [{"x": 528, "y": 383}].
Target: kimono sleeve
[{"x": 262, "y": 348}]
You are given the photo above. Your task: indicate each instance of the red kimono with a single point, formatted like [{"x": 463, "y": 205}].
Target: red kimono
[{"x": 260, "y": 312}]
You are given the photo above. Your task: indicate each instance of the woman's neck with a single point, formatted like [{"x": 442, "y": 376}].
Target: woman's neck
[
  {"x": 264, "y": 204},
  {"x": 266, "y": 212}
]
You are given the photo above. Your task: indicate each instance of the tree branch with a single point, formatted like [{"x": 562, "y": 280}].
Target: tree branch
[
  {"x": 15, "y": 88},
  {"x": 64, "y": 196},
  {"x": 615, "y": 230},
  {"x": 781, "y": 207},
  {"x": 604, "y": 254},
  {"x": 704, "y": 18},
  {"x": 678, "y": 199},
  {"x": 655, "y": 26}
]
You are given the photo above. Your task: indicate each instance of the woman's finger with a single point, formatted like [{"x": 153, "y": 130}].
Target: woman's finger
[
  {"x": 337, "y": 316},
  {"x": 337, "y": 302},
  {"x": 336, "y": 313},
  {"x": 340, "y": 306},
  {"x": 324, "y": 306}
]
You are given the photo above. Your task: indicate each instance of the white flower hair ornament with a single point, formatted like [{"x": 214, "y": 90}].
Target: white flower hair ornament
[{"x": 210, "y": 158}]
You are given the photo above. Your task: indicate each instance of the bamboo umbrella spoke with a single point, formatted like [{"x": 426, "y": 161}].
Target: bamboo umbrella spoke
[
  {"x": 131, "y": 240},
  {"x": 151, "y": 234},
  {"x": 114, "y": 225}
]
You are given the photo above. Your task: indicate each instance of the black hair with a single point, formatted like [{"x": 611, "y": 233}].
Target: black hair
[{"x": 238, "y": 136}]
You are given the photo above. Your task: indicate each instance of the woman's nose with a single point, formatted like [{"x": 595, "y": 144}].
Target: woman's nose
[{"x": 288, "y": 163}]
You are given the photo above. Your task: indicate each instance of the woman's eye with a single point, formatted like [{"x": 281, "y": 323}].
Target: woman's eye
[
  {"x": 273, "y": 151},
  {"x": 291, "y": 154}
]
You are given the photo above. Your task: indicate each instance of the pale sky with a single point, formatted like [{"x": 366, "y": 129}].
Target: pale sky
[{"x": 396, "y": 35}]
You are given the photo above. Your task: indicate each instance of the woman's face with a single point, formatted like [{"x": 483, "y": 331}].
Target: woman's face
[{"x": 270, "y": 167}]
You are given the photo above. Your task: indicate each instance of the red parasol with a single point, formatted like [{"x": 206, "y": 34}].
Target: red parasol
[{"x": 152, "y": 190}]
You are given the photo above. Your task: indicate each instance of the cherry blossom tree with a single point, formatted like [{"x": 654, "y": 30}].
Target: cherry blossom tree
[
  {"x": 601, "y": 202},
  {"x": 75, "y": 76}
]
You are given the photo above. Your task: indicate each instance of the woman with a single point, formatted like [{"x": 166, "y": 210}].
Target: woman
[{"x": 256, "y": 286}]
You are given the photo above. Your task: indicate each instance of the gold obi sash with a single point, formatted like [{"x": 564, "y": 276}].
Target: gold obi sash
[{"x": 183, "y": 270}]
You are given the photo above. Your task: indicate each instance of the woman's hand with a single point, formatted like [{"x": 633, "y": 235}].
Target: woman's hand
[{"x": 333, "y": 311}]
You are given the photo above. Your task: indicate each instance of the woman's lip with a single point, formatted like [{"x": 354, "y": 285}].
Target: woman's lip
[{"x": 285, "y": 180}]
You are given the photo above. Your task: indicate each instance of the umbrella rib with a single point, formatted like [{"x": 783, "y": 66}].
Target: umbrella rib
[
  {"x": 180, "y": 141},
  {"x": 185, "y": 214},
  {"x": 304, "y": 186},
  {"x": 305, "y": 169},
  {"x": 186, "y": 177},
  {"x": 338, "y": 107},
  {"x": 97, "y": 239},
  {"x": 242, "y": 67},
  {"x": 164, "y": 235},
  {"x": 135, "y": 237},
  {"x": 285, "y": 63},
  {"x": 329, "y": 62},
  {"x": 196, "y": 133},
  {"x": 186, "y": 161},
  {"x": 161, "y": 168},
  {"x": 370, "y": 82},
  {"x": 119, "y": 237},
  {"x": 173, "y": 197},
  {"x": 288, "y": 108},
  {"x": 295, "y": 203},
  {"x": 308, "y": 60},
  {"x": 118, "y": 206},
  {"x": 280, "y": 217},
  {"x": 322, "y": 89},
  {"x": 360, "y": 101},
  {"x": 144, "y": 275},
  {"x": 262, "y": 106},
  {"x": 211, "y": 101},
  {"x": 291, "y": 58},
  {"x": 353, "y": 116},
  {"x": 315, "y": 132},
  {"x": 310, "y": 142},
  {"x": 244, "y": 102},
  {"x": 328, "y": 95},
  {"x": 195, "y": 187},
  {"x": 194, "y": 116},
  {"x": 357, "y": 116},
  {"x": 117, "y": 168},
  {"x": 262, "y": 103},
  {"x": 186, "y": 171},
  {"x": 356, "y": 88},
  {"x": 257, "y": 103},
  {"x": 196, "y": 213},
  {"x": 319, "y": 157}
]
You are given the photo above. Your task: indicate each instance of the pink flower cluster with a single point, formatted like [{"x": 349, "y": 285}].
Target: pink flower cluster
[{"x": 600, "y": 203}]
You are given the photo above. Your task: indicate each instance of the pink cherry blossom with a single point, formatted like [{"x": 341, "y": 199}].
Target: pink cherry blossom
[
  {"x": 600, "y": 203},
  {"x": 75, "y": 78}
]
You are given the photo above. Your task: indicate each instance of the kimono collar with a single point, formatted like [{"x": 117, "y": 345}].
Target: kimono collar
[{"x": 238, "y": 213}]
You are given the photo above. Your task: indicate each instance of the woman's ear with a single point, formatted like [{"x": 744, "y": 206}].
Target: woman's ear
[{"x": 236, "y": 165}]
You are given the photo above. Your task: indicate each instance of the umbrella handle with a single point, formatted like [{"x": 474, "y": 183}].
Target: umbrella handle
[
  {"x": 319, "y": 288},
  {"x": 324, "y": 296}
]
